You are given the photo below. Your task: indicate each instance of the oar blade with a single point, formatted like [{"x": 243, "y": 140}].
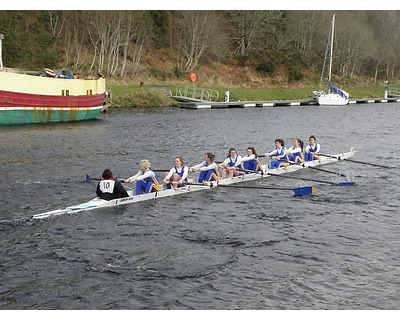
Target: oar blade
[
  {"x": 346, "y": 184},
  {"x": 87, "y": 178},
  {"x": 304, "y": 191}
]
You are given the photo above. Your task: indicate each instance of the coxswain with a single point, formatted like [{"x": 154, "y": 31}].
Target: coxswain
[
  {"x": 295, "y": 153},
  {"x": 250, "y": 160},
  {"x": 108, "y": 188},
  {"x": 231, "y": 164},
  {"x": 312, "y": 150},
  {"x": 146, "y": 179},
  {"x": 208, "y": 169},
  {"x": 177, "y": 176},
  {"x": 278, "y": 154}
]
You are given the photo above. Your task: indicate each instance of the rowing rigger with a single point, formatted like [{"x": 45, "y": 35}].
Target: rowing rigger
[{"x": 191, "y": 187}]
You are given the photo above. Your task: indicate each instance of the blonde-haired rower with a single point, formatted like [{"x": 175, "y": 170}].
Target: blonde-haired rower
[{"x": 146, "y": 179}]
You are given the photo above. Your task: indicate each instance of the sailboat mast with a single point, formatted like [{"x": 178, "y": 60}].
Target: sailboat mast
[{"x": 330, "y": 60}]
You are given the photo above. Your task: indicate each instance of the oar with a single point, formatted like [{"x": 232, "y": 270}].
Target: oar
[
  {"x": 315, "y": 168},
  {"x": 302, "y": 191},
  {"x": 88, "y": 179},
  {"x": 340, "y": 184},
  {"x": 355, "y": 161}
]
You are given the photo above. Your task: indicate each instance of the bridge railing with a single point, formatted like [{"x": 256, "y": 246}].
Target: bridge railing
[
  {"x": 195, "y": 93},
  {"x": 392, "y": 92}
]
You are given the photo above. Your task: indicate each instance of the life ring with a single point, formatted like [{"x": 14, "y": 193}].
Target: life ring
[
  {"x": 193, "y": 77},
  {"x": 50, "y": 72}
]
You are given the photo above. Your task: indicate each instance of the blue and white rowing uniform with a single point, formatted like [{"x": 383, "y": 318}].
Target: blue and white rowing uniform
[
  {"x": 208, "y": 171},
  {"x": 251, "y": 163},
  {"x": 295, "y": 155},
  {"x": 310, "y": 151},
  {"x": 146, "y": 182},
  {"x": 234, "y": 162},
  {"x": 231, "y": 162},
  {"x": 183, "y": 172},
  {"x": 279, "y": 154}
]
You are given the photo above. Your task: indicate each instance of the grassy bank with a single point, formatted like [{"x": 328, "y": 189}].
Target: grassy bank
[
  {"x": 124, "y": 95},
  {"x": 136, "y": 96}
]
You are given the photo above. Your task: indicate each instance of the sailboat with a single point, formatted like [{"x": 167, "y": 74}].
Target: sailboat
[{"x": 334, "y": 96}]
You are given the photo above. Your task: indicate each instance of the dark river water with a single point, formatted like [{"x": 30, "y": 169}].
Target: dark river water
[{"x": 218, "y": 249}]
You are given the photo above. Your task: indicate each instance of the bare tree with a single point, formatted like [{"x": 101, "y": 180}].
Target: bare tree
[
  {"x": 246, "y": 28},
  {"x": 306, "y": 28},
  {"x": 115, "y": 37},
  {"x": 350, "y": 43},
  {"x": 75, "y": 41},
  {"x": 389, "y": 38},
  {"x": 56, "y": 19},
  {"x": 254, "y": 31},
  {"x": 136, "y": 33},
  {"x": 193, "y": 32},
  {"x": 102, "y": 31}
]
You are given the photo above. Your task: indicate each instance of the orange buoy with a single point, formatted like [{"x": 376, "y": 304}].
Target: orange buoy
[{"x": 193, "y": 77}]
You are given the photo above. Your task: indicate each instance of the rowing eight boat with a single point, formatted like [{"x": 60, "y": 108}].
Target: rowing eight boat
[{"x": 100, "y": 203}]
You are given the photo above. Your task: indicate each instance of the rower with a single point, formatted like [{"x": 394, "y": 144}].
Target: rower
[
  {"x": 208, "y": 169},
  {"x": 146, "y": 179},
  {"x": 279, "y": 153},
  {"x": 295, "y": 153},
  {"x": 177, "y": 176},
  {"x": 312, "y": 150},
  {"x": 231, "y": 164},
  {"x": 108, "y": 188},
  {"x": 250, "y": 161}
]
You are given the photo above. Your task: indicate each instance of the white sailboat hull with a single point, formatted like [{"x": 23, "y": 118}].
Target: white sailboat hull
[
  {"x": 335, "y": 96},
  {"x": 332, "y": 99}
]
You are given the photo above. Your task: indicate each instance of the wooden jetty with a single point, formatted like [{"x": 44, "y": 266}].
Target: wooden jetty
[
  {"x": 284, "y": 103},
  {"x": 201, "y": 98}
]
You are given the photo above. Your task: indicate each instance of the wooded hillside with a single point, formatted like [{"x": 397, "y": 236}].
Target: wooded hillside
[{"x": 167, "y": 45}]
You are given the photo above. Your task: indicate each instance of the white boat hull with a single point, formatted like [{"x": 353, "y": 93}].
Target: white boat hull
[
  {"x": 100, "y": 203},
  {"x": 332, "y": 99}
]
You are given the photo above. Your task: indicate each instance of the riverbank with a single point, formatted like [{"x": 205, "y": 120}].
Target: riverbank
[{"x": 135, "y": 96}]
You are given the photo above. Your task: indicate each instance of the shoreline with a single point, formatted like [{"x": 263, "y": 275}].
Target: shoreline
[{"x": 151, "y": 96}]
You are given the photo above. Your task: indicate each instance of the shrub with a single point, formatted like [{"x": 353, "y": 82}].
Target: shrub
[
  {"x": 267, "y": 68},
  {"x": 178, "y": 72},
  {"x": 295, "y": 74},
  {"x": 242, "y": 59}
]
